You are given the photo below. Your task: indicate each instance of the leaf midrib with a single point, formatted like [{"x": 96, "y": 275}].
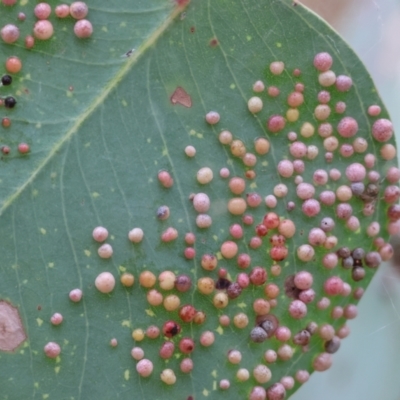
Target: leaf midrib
[{"x": 98, "y": 101}]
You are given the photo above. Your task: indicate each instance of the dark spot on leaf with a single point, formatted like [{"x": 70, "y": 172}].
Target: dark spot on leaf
[
  {"x": 192, "y": 29},
  {"x": 39, "y": 307},
  {"x": 222, "y": 283},
  {"x": 214, "y": 42},
  {"x": 180, "y": 96}
]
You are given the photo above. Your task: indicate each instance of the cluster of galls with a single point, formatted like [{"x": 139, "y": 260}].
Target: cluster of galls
[
  {"x": 356, "y": 259},
  {"x": 286, "y": 229}
]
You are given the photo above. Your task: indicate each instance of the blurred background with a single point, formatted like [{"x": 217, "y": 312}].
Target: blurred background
[{"x": 367, "y": 366}]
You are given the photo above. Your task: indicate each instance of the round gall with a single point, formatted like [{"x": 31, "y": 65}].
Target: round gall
[
  {"x": 105, "y": 282},
  {"x": 105, "y": 250},
  {"x": 83, "y": 29},
  {"x": 78, "y": 10},
  {"x": 43, "y": 30}
]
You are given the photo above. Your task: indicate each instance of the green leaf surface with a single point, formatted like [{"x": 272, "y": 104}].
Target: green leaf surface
[{"x": 101, "y": 125}]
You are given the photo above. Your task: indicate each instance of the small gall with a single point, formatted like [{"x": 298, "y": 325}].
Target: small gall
[
  {"x": 43, "y": 30},
  {"x": 169, "y": 235},
  {"x": 75, "y": 295},
  {"x": 168, "y": 376},
  {"x": 136, "y": 235},
  {"x": 83, "y": 29},
  {"x": 105, "y": 250},
  {"x": 13, "y": 65},
  {"x": 52, "y": 350},
  {"x": 165, "y": 179},
  {"x": 212, "y": 117},
  {"x": 255, "y": 105},
  {"x": 105, "y": 282},
  {"x": 62, "y": 11},
  {"x": 56, "y": 319},
  {"x": 78, "y": 10},
  {"x": 190, "y": 151},
  {"x": 100, "y": 234},
  {"x": 9, "y": 33},
  {"x": 323, "y": 61},
  {"x": 144, "y": 367},
  {"x": 277, "y": 67},
  {"x": 204, "y": 175},
  {"x": 127, "y": 279},
  {"x": 42, "y": 10}
]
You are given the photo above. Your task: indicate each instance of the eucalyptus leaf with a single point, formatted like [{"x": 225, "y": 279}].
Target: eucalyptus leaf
[{"x": 103, "y": 116}]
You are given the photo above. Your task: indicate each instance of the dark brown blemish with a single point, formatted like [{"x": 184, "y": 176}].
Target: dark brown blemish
[
  {"x": 39, "y": 307},
  {"x": 291, "y": 290},
  {"x": 190, "y": 398},
  {"x": 268, "y": 322},
  {"x": 222, "y": 283},
  {"x": 214, "y": 42},
  {"x": 192, "y": 29},
  {"x": 12, "y": 332},
  {"x": 180, "y": 96}
]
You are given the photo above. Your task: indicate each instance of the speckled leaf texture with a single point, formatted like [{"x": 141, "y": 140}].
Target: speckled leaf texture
[{"x": 102, "y": 117}]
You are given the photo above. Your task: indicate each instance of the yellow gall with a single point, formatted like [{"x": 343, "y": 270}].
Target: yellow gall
[
  {"x": 280, "y": 190},
  {"x": 322, "y": 112},
  {"x": 171, "y": 302},
  {"x": 127, "y": 279},
  {"x": 292, "y": 115},
  {"x": 147, "y": 279},
  {"x": 168, "y": 376},
  {"x": 238, "y": 149},
  {"x": 327, "y": 78},
  {"x": 287, "y": 228},
  {"x": 388, "y": 152},
  {"x": 220, "y": 300},
  {"x": 237, "y": 206},
  {"x": 241, "y": 320},
  {"x": 307, "y": 130},
  {"x": 138, "y": 335},
  {"x": 261, "y": 146},
  {"x": 205, "y": 285},
  {"x": 204, "y": 175},
  {"x": 360, "y": 145},
  {"x": 166, "y": 280},
  {"x": 255, "y": 104},
  {"x": 243, "y": 375}
]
